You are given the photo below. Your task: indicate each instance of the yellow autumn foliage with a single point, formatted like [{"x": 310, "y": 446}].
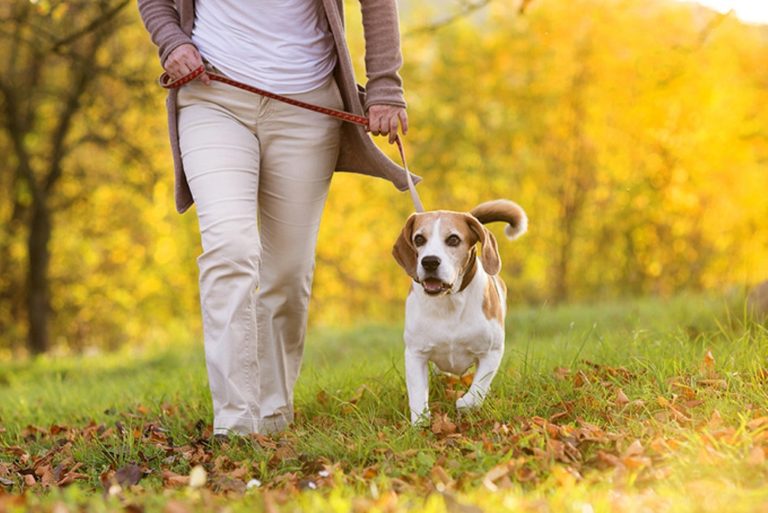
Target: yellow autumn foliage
[{"x": 633, "y": 132}]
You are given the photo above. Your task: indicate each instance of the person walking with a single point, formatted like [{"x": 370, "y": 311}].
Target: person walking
[{"x": 259, "y": 170}]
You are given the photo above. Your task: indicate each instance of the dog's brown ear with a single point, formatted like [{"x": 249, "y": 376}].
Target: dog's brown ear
[
  {"x": 404, "y": 251},
  {"x": 489, "y": 255}
]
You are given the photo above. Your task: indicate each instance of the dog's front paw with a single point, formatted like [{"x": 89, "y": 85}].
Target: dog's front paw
[
  {"x": 468, "y": 401},
  {"x": 423, "y": 419}
]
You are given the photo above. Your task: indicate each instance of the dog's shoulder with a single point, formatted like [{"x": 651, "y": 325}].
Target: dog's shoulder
[{"x": 494, "y": 299}]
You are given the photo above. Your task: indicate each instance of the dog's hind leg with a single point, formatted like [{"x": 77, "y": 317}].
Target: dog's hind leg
[
  {"x": 417, "y": 382},
  {"x": 487, "y": 365}
]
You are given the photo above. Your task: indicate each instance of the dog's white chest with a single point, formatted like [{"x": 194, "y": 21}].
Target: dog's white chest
[{"x": 451, "y": 331}]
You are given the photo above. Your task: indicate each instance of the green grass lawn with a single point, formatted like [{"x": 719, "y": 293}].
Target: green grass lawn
[{"x": 647, "y": 405}]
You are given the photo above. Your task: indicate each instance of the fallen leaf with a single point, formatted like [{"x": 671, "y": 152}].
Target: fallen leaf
[
  {"x": 685, "y": 390},
  {"x": 636, "y": 462},
  {"x": 174, "y": 506},
  {"x": 224, "y": 484},
  {"x": 270, "y": 506},
  {"x": 714, "y": 383},
  {"x": 756, "y": 456},
  {"x": 172, "y": 479},
  {"x": 370, "y": 472},
  {"x": 493, "y": 475},
  {"x": 128, "y": 475},
  {"x": 757, "y": 423},
  {"x": 708, "y": 364},
  {"x": 439, "y": 475},
  {"x": 453, "y": 505},
  {"x": 442, "y": 425}
]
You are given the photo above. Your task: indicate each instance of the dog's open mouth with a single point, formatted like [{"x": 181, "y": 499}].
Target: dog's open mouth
[{"x": 433, "y": 286}]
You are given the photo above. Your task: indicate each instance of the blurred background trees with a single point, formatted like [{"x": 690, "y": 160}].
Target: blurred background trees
[{"x": 634, "y": 132}]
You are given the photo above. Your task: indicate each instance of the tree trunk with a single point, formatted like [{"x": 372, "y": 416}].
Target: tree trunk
[{"x": 38, "y": 301}]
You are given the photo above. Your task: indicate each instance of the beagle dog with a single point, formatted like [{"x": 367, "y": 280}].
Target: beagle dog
[{"x": 454, "y": 313}]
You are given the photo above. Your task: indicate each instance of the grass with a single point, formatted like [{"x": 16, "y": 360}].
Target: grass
[{"x": 645, "y": 405}]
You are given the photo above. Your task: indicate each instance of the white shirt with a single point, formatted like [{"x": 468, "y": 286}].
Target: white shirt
[{"x": 283, "y": 46}]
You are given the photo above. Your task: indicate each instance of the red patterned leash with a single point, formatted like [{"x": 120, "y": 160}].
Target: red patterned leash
[{"x": 167, "y": 83}]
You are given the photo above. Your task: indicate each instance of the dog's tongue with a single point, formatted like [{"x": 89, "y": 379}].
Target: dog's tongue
[{"x": 432, "y": 285}]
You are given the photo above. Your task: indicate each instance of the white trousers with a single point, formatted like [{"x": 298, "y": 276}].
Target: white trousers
[{"x": 259, "y": 172}]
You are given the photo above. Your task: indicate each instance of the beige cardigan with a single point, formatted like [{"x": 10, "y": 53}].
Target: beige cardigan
[{"x": 170, "y": 23}]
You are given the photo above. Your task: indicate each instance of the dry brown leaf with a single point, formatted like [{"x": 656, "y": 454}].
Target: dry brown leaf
[
  {"x": 636, "y": 462},
  {"x": 46, "y": 475},
  {"x": 387, "y": 502},
  {"x": 439, "y": 475},
  {"x": 634, "y": 449},
  {"x": 174, "y": 506},
  {"x": 69, "y": 478},
  {"x": 128, "y": 475},
  {"x": 621, "y": 398},
  {"x": 225, "y": 484},
  {"x": 714, "y": 383},
  {"x": 756, "y": 456},
  {"x": 708, "y": 364},
  {"x": 580, "y": 379},
  {"x": 59, "y": 507},
  {"x": 270, "y": 505},
  {"x": 453, "y": 505},
  {"x": 370, "y": 472},
  {"x": 361, "y": 505},
  {"x": 686, "y": 391},
  {"x": 284, "y": 452},
  {"x": 173, "y": 479},
  {"x": 493, "y": 475},
  {"x": 608, "y": 459},
  {"x": 757, "y": 423},
  {"x": 442, "y": 425}
]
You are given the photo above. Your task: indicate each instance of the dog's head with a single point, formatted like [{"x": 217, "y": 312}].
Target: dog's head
[{"x": 437, "y": 248}]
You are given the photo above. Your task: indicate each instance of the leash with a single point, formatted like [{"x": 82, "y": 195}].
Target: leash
[{"x": 166, "y": 82}]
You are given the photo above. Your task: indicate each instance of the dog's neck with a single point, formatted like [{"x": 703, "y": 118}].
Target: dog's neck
[{"x": 469, "y": 270}]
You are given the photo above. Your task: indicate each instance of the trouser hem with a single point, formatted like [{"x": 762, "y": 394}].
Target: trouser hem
[{"x": 246, "y": 425}]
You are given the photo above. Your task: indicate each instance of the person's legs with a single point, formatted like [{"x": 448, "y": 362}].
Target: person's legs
[
  {"x": 299, "y": 151},
  {"x": 221, "y": 160}
]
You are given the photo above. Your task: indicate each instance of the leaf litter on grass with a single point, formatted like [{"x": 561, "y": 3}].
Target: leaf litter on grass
[{"x": 598, "y": 432}]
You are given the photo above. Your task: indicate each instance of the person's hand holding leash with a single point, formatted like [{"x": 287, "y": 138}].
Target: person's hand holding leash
[
  {"x": 183, "y": 60},
  {"x": 385, "y": 119}
]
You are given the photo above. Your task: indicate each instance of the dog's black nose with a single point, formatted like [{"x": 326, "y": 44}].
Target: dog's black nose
[{"x": 430, "y": 263}]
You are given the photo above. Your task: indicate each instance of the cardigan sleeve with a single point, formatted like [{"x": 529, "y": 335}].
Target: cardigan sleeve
[
  {"x": 383, "y": 57},
  {"x": 162, "y": 21}
]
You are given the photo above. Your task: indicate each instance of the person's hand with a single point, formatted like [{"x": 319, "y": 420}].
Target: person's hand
[
  {"x": 386, "y": 119},
  {"x": 183, "y": 60}
]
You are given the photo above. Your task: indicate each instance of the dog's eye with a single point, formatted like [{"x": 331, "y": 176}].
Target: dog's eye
[
  {"x": 453, "y": 240},
  {"x": 419, "y": 240}
]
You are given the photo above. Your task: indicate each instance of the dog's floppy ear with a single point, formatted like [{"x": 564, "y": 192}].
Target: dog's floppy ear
[
  {"x": 489, "y": 255},
  {"x": 404, "y": 251}
]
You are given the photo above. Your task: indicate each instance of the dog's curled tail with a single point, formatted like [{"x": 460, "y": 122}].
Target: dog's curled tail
[{"x": 506, "y": 211}]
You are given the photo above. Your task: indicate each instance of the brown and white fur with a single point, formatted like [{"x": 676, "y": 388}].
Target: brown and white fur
[{"x": 454, "y": 313}]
